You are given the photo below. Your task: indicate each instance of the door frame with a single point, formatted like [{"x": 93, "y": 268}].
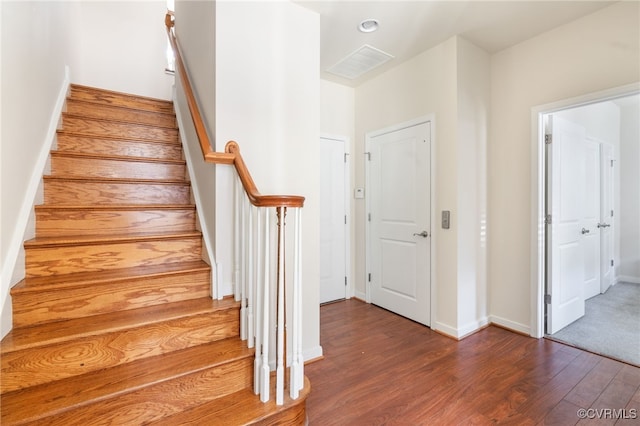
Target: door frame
[
  {"x": 347, "y": 207},
  {"x": 538, "y": 192},
  {"x": 430, "y": 118}
]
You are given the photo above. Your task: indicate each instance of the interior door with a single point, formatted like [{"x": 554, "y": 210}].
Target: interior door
[
  {"x": 332, "y": 220},
  {"x": 606, "y": 216},
  {"x": 591, "y": 219},
  {"x": 400, "y": 217},
  {"x": 566, "y": 174}
]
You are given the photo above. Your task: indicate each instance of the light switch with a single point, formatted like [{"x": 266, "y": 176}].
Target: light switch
[
  {"x": 446, "y": 216},
  {"x": 359, "y": 193}
]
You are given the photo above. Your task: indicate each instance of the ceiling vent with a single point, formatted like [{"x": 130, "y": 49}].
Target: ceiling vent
[{"x": 359, "y": 62}]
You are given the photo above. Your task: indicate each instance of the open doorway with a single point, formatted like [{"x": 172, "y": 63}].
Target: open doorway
[{"x": 592, "y": 226}]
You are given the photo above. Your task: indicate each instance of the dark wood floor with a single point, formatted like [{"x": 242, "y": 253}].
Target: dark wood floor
[{"x": 382, "y": 369}]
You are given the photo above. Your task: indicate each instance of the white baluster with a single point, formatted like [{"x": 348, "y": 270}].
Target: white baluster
[
  {"x": 280, "y": 334},
  {"x": 257, "y": 365},
  {"x": 265, "y": 371},
  {"x": 243, "y": 274},
  {"x": 237, "y": 243},
  {"x": 250, "y": 279},
  {"x": 296, "y": 372}
]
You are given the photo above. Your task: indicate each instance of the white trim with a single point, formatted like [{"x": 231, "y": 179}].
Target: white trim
[
  {"x": 217, "y": 289},
  {"x": 538, "y": 192},
  {"x": 627, "y": 279},
  {"x": 24, "y": 215},
  {"x": 511, "y": 325},
  {"x": 311, "y": 354},
  {"x": 429, "y": 118}
]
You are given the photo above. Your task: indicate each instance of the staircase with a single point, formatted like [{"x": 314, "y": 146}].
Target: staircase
[{"x": 114, "y": 322}]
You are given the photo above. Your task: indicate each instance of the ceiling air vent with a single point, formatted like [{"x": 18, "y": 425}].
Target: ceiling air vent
[{"x": 359, "y": 62}]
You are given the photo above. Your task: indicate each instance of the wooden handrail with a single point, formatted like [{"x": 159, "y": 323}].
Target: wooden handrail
[{"x": 232, "y": 154}]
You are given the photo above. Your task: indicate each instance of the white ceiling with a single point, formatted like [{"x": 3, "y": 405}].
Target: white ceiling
[{"x": 410, "y": 27}]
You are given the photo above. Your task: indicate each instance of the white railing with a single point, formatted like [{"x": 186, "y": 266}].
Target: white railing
[
  {"x": 263, "y": 284},
  {"x": 263, "y": 290}
]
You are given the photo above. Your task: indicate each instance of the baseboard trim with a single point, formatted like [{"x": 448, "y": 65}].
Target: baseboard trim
[
  {"x": 628, "y": 279},
  {"x": 8, "y": 275},
  {"x": 510, "y": 325},
  {"x": 312, "y": 354}
]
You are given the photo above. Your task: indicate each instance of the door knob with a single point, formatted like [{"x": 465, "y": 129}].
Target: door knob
[
  {"x": 585, "y": 231},
  {"x": 423, "y": 234}
]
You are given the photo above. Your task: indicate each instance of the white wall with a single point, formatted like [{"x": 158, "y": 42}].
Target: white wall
[
  {"x": 474, "y": 94},
  {"x": 268, "y": 100},
  {"x": 35, "y": 50},
  {"x": 196, "y": 36},
  {"x": 596, "y": 52},
  {"x": 423, "y": 85},
  {"x": 120, "y": 46},
  {"x": 629, "y": 265},
  {"x": 451, "y": 81}
]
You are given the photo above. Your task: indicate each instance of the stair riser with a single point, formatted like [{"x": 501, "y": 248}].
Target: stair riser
[
  {"x": 109, "y": 193},
  {"x": 114, "y": 129},
  {"x": 68, "y": 259},
  {"x": 25, "y": 368},
  {"x": 71, "y": 143},
  {"x": 119, "y": 99},
  {"x": 165, "y": 399},
  {"x": 73, "y": 222},
  {"x": 95, "y": 167},
  {"x": 120, "y": 114},
  {"x": 31, "y": 308}
]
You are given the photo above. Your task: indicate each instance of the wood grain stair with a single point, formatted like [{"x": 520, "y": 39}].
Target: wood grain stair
[{"x": 115, "y": 321}]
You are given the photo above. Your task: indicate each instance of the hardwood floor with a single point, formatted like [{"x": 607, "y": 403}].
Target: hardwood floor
[{"x": 382, "y": 369}]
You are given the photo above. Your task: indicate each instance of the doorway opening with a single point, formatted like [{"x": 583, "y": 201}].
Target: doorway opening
[{"x": 586, "y": 220}]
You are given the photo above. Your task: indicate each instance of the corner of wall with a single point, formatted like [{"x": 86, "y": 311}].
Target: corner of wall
[{"x": 13, "y": 270}]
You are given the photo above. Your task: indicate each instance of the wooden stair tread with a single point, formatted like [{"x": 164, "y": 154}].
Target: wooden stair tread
[
  {"x": 137, "y": 207},
  {"x": 115, "y": 138},
  {"x": 51, "y": 398},
  {"x": 80, "y": 279},
  {"x": 123, "y": 113},
  {"x": 88, "y": 156},
  {"x": 61, "y": 331},
  {"x": 116, "y": 180},
  {"x": 122, "y": 129},
  {"x": 41, "y": 242},
  {"x": 110, "y": 97},
  {"x": 244, "y": 408}
]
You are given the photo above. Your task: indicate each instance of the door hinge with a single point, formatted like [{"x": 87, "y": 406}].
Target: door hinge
[
  {"x": 368, "y": 154},
  {"x": 547, "y": 139},
  {"x": 611, "y": 213},
  {"x": 611, "y": 262},
  {"x": 369, "y": 276},
  {"x": 345, "y": 281},
  {"x": 611, "y": 163},
  {"x": 369, "y": 217},
  {"x": 547, "y": 299},
  {"x": 547, "y": 219},
  {"x": 345, "y": 156}
]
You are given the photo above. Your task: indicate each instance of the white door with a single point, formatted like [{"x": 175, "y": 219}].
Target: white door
[
  {"x": 332, "y": 220},
  {"x": 565, "y": 199},
  {"x": 606, "y": 216},
  {"x": 400, "y": 217},
  {"x": 591, "y": 219}
]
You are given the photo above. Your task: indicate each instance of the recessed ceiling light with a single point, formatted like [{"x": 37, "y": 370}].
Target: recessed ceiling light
[{"x": 368, "y": 25}]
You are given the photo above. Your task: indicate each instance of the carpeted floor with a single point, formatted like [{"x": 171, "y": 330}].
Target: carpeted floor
[{"x": 610, "y": 326}]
